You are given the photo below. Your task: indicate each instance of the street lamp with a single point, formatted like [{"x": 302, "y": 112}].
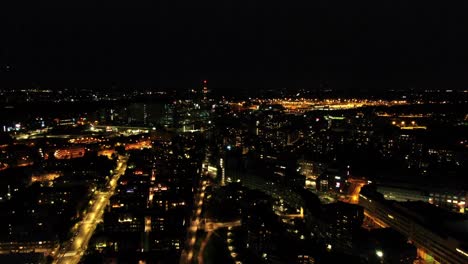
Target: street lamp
[{"x": 379, "y": 253}]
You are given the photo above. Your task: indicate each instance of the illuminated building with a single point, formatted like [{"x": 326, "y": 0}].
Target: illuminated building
[
  {"x": 167, "y": 119},
  {"x": 106, "y": 152},
  {"x": 339, "y": 223},
  {"x": 65, "y": 122},
  {"x": 261, "y": 225},
  {"x": 147, "y": 216},
  {"x": 44, "y": 246},
  {"x": 70, "y": 153},
  {"x": 438, "y": 234},
  {"x": 305, "y": 259},
  {"x": 138, "y": 145},
  {"x": 311, "y": 170},
  {"x": 446, "y": 198},
  {"x": 190, "y": 115},
  {"x": 222, "y": 171},
  {"x": 45, "y": 177},
  {"x": 332, "y": 180}
]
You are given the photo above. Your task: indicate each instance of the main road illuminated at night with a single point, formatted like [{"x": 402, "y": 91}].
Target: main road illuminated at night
[{"x": 72, "y": 251}]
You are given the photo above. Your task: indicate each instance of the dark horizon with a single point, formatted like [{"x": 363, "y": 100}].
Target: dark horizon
[{"x": 250, "y": 45}]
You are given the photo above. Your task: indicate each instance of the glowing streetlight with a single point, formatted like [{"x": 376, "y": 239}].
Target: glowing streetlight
[{"x": 379, "y": 253}]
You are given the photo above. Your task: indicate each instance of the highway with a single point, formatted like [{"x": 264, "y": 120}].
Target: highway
[{"x": 72, "y": 251}]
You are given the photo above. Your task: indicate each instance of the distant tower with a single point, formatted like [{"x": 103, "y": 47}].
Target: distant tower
[
  {"x": 145, "y": 114},
  {"x": 205, "y": 91}
]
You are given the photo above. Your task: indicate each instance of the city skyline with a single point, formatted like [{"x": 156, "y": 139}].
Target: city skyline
[
  {"x": 92, "y": 176},
  {"x": 234, "y": 132}
]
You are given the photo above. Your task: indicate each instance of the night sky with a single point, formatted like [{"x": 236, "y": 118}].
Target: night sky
[{"x": 250, "y": 44}]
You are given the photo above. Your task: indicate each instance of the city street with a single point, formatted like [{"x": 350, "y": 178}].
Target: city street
[
  {"x": 194, "y": 227},
  {"x": 72, "y": 251}
]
